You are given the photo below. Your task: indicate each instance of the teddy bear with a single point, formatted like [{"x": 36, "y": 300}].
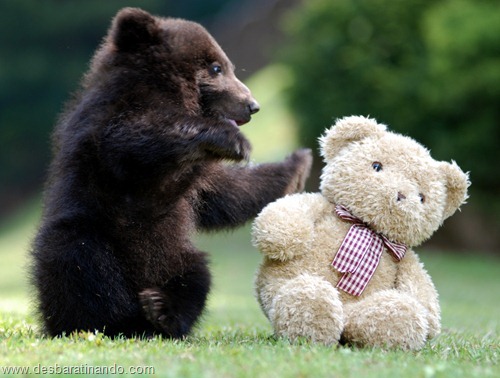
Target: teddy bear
[{"x": 338, "y": 265}]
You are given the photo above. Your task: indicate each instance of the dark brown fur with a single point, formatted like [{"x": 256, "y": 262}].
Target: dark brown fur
[{"x": 138, "y": 167}]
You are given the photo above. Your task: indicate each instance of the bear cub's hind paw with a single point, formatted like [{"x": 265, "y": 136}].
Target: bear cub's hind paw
[{"x": 161, "y": 314}]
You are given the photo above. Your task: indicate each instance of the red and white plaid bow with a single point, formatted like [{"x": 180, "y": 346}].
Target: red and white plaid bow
[{"x": 360, "y": 252}]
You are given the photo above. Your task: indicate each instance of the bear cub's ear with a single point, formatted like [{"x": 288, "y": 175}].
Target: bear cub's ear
[
  {"x": 347, "y": 130},
  {"x": 456, "y": 182},
  {"x": 133, "y": 28}
]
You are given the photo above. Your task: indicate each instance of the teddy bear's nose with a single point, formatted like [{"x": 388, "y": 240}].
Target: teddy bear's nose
[{"x": 401, "y": 196}]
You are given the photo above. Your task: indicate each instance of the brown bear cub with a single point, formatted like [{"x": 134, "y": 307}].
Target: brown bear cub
[{"x": 138, "y": 167}]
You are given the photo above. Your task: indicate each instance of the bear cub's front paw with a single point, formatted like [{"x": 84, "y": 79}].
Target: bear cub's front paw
[
  {"x": 302, "y": 161},
  {"x": 239, "y": 147},
  {"x": 225, "y": 141}
]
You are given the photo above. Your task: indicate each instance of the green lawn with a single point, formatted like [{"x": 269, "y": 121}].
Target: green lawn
[{"x": 234, "y": 339}]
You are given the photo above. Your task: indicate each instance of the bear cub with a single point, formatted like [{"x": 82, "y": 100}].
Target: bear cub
[{"x": 140, "y": 162}]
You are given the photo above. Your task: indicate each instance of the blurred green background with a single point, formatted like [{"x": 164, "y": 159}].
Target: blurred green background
[{"x": 427, "y": 68}]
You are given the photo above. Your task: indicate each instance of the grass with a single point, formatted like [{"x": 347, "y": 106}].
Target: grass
[{"x": 234, "y": 338}]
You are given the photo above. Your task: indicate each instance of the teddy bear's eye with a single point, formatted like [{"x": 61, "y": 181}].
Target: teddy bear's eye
[
  {"x": 377, "y": 166},
  {"x": 216, "y": 69},
  {"x": 422, "y": 197}
]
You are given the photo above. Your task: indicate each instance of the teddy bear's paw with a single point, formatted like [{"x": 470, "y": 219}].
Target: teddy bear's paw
[
  {"x": 308, "y": 307},
  {"x": 285, "y": 228},
  {"x": 387, "y": 319},
  {"x": 434, "y": 326}
]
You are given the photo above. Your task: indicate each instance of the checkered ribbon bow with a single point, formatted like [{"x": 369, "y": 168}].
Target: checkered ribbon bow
[{"x": 360, "y": 252}]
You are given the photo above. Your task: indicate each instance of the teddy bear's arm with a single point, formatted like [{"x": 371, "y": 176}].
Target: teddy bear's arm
[
  {"x": 413, "y": 279},
  {"x": 285, "y": 228}
]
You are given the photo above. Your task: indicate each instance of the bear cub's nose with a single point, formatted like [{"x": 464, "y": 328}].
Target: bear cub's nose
[
  {"x": 253, "y": 107},
  {"x": 401, "y": 196}
]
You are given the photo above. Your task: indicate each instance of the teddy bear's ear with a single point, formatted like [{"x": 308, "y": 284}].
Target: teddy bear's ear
[
  {"x": 457, "y": 183},
  {"x": 133, "y": 28},
  {"x": 347, "y": 130}
]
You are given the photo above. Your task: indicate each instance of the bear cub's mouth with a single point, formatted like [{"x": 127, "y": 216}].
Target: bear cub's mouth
[{"x": 236, "y": 122}]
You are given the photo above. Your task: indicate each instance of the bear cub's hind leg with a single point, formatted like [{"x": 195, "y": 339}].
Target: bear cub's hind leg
[{"x": 174, "y": 308}]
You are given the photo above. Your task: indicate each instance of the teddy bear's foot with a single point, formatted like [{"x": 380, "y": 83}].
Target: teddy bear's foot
[
  {"x": 387, "y": 319},
  {"x": 308, "y": 306}
]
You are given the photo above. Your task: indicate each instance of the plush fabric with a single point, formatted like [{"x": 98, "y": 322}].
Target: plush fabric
[{"x": 393, "y": 185}]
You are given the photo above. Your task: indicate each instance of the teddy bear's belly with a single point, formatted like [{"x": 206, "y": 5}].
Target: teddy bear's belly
[
  {"x": 384, "y": 278},
  {"x": 274, "y": 274}
]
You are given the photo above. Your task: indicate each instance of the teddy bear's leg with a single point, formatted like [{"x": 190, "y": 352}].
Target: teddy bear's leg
[
  {"x": 388, "y": 319},
  {"x": 307, "y": 306}
]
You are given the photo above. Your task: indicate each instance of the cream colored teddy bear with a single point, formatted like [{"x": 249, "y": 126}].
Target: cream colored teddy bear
[{"x": 338, "y": 265}]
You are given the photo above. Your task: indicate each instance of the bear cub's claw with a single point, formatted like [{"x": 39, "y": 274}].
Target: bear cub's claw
[
  {"x": 160, "y": 314},
  {"x": 152, "y": 303}
]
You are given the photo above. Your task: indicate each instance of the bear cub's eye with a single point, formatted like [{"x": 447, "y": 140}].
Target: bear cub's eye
[
  {"x": 215, "y": 69},
  {"x": 377, "y": 166}
]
